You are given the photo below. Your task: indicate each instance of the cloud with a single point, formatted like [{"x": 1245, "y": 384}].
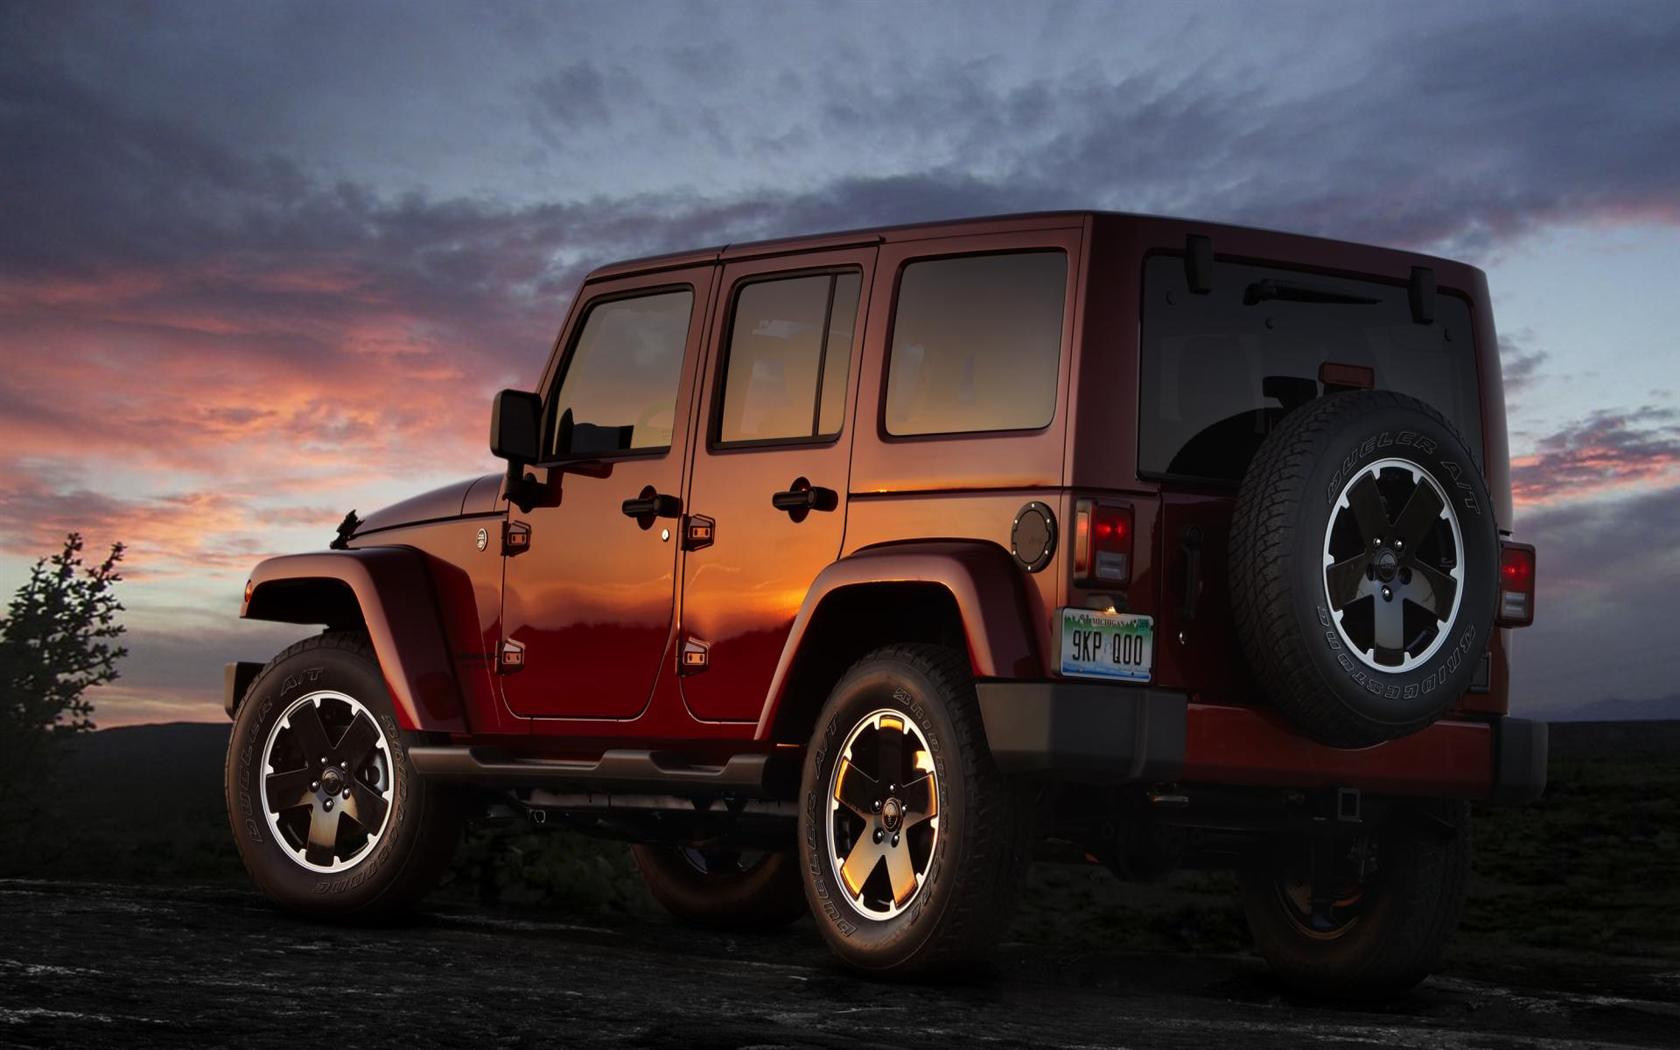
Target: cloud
[
  {"x": 1605, "y": 578},
  {"x": 1607, "y": 453},
  {"x": 1520, "y": 365},
  {"x": 216, "y": 340}
]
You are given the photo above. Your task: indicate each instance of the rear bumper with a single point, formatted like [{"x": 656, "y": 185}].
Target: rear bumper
[{"x": 1095, "y": 732}]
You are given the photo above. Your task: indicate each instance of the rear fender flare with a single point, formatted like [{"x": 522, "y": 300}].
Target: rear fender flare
[
  {"x": 984, "y": 584},
  {"x": 389, "y": 595}
]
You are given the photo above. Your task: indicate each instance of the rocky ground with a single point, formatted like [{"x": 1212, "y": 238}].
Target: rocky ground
[{"x": 88, "y": 964}]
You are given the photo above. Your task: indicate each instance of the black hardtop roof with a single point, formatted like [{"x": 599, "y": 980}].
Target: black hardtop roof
[{"x": 1158, "y": 225}]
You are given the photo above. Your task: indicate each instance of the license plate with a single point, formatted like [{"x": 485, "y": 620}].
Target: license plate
[{"x": 1108, "y": 645}]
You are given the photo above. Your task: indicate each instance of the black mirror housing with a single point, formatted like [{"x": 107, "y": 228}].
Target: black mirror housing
[{"x": 514, "y": 424}]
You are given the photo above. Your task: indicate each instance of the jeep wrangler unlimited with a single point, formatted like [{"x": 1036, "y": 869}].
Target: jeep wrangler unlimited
[{"x": 836, "y": 573}]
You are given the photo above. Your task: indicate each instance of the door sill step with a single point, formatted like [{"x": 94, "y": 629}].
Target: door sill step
[{"x": 617, "y": 770}]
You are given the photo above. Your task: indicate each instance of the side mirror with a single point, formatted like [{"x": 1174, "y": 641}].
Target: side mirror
[{"x": 514, "y": 419}]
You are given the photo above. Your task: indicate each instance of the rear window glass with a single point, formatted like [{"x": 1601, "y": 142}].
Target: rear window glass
[
  {"x": 976, "y": 342},
  {"x": 1220, "y": 370}
]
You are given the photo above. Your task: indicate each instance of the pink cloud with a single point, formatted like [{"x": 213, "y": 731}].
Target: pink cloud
[{"x": 1608, "y": 453}]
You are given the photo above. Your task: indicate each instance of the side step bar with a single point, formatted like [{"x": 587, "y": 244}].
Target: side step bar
[{"x": 616, "y": 770}]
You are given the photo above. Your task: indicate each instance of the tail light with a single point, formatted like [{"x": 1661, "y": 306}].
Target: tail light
[
  {"x": 1102, "y": 542},
  {"x": 1516, "y": 585}
]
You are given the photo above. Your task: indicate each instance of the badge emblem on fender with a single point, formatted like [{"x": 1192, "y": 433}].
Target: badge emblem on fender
[{"x": 483, "y": 539}]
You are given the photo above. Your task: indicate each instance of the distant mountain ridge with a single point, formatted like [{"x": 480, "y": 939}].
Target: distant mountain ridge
[{"x": 1615, "y": 709}]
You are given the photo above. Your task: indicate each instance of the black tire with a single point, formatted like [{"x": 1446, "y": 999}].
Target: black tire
[
  {"x": 1308, "y": 660},
  {"x": 975, "y": 853},
  {"x": 723, "y": 889},
  {"x": 418, "y": 830},
  {"x": 1394, "y": 934}
]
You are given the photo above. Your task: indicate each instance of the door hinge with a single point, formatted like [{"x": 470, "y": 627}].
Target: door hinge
[
  {"x": 698, "y": 531},
  {"x": 516, "y": 538},
  {"x": 510, "y": 658},
  {"x": 695, "y": 657}
]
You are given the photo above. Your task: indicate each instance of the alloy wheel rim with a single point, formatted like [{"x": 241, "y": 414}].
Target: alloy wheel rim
[
  {"x": 326, "y": 786},
  {"x": 1393, "y": 578},
  {"x": 883, "y": 814},
  {"x": 710, "y": 862}
]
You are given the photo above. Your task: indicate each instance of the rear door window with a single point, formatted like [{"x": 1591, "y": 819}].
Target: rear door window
[
  {"x": 976, "y": 344},
  {"x": 1220, "y": 370},
  {"x": 790, "y": 347}
]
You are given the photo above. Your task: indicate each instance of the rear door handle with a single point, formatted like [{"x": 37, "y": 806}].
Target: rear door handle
[{"x": 802, "y": 497}]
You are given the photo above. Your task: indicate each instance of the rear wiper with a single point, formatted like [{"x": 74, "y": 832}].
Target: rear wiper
[{"x": 1289, "y": 291}]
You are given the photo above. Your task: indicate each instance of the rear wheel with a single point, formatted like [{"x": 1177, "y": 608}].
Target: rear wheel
[
  {"x": 1364, "y": 563},
  {"x": 1375, "y": 916},
  {"x": 732, "y": 889},
  {"x": 912, "y": 843},
  {"x": 328, "y": 815}
]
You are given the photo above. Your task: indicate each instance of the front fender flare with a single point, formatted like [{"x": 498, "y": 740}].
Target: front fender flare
[
  {"x": 982, "y": 579},
  {"x": 394, "y": 601}
]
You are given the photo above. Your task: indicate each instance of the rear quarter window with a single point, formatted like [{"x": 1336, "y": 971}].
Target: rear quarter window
[
  {"x": 976, "y": 344},
  {"x": 1220, "y": 370}
]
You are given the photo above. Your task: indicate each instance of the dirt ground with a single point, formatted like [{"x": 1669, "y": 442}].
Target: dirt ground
[{"x": 92, "y": 964}]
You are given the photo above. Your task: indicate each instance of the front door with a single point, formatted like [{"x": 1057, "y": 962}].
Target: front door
[
  {"x": 770, "y": 469},
  {"x": 588, "y": 602}
]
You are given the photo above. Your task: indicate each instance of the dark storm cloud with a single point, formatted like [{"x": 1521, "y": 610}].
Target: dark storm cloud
[
  {"x": 1485, "y": 128},
  {"x": 1609, "y": 451},
  {"x": 1448, "y": 135}
]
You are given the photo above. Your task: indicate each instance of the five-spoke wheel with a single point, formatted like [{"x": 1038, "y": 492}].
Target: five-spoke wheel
[
  {"x": 912, "y": 843},
  {"x": 329, "y": 815},
  {"x": 884, "y": 813},
  {"x": 1393, "y": 571},
  {"x": 327, "y": 788}
]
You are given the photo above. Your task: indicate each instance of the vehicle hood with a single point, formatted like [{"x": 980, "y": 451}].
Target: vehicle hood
[{"x": 443, "y": 502}]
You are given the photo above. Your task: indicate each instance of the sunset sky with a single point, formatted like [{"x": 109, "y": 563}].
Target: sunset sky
[{"x": 263, "y": 263}]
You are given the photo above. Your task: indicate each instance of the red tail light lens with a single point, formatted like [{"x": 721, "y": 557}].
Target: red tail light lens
[
  {"x": 1516, "y": 585},
  {"x": 1102, "y": 542}
]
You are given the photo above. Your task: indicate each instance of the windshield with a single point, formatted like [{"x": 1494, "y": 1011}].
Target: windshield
[{"x": 1220, "y": 370}]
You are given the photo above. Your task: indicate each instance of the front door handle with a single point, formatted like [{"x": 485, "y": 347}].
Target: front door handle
[
  {"x": 650, "y": 504},
  {"x": 802, "y": 497}
]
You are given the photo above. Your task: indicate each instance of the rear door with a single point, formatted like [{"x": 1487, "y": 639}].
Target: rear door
[
  {"x": 767, "y": 499},
  {"x": 1220, "y": 370}
]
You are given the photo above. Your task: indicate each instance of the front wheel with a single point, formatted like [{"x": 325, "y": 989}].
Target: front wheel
[
  {"x": 1376, "y": 916},
  {"x": 912, "y": 843},
  {"x": 330, "y": 818}
]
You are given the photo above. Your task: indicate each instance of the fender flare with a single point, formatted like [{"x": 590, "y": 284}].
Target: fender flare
[
  {"x": 395, "y": 602},
  {"x": 982, "y": 579}
]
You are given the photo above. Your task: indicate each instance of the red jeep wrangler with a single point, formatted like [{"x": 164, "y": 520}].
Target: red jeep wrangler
[{"x": 835, "y": 572}]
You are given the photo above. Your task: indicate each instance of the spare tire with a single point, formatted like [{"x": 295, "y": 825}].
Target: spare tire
[{"x": 1364, "y": 567}]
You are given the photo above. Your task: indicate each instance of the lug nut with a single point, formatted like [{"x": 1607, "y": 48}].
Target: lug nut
[
  {"x": 895, "y": 840},
  {"x": 314, "y": 785},
  {"x": 1399, "y": 545},
  {"x": 327, "y": 804},
  {"x": 877, "y": 836},
  {"x": 876, "y": 805},
  {"x": 1388, "y": 595},
  {"x": 346, "y": 794}
]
